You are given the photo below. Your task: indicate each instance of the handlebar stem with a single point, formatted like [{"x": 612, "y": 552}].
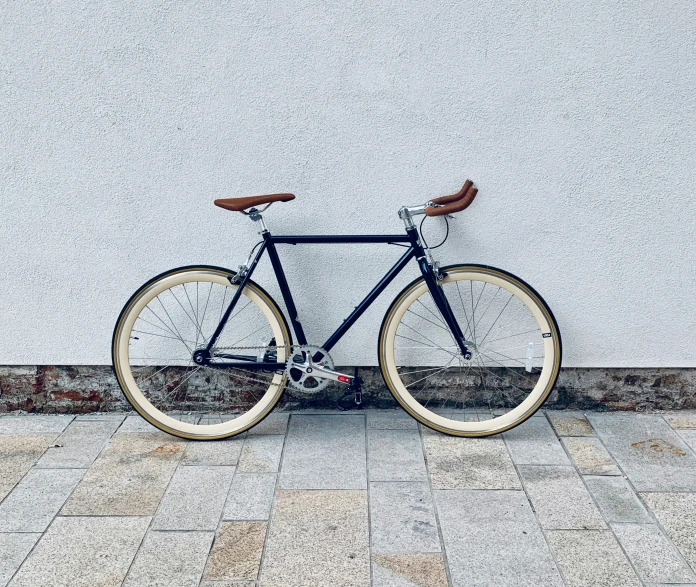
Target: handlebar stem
[{"x": 406, "y": 213}]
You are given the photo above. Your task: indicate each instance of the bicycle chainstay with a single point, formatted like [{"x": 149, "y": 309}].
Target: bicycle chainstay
[{"x": 354, "y": 390}]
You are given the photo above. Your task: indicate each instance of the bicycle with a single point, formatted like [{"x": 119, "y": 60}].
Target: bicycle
[{"x": 204, "y": 353}]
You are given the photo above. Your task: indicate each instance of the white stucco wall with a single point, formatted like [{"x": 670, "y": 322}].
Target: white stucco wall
[{"x": 120, "y": 122}]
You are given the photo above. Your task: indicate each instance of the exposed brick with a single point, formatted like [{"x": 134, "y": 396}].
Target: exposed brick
[{"x": 90, "y": 388}]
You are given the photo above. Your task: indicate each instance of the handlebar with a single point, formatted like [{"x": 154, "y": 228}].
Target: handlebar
[
  {"x": 441, "y": 206},
  {"x": 454, "y": 203}
]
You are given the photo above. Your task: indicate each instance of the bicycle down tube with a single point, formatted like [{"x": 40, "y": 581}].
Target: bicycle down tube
[{"x": 415, "y": 250}]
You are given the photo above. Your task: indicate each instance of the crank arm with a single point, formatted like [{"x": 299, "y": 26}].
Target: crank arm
[{"x": 322, "y": 373}]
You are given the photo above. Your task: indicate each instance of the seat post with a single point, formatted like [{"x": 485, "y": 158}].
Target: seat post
[{"x": 255, "y": 215}]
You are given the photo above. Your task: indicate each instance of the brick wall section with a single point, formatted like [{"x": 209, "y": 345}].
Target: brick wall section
[{"x": 83, "y": 389}]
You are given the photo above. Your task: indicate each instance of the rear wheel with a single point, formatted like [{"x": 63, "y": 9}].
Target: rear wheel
[
  {"x": 172, "y": 316},
  {"x": 514, "y": 342}
]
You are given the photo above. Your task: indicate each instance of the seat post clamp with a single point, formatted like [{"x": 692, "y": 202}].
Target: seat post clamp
[{"x": 255, "y": 215}]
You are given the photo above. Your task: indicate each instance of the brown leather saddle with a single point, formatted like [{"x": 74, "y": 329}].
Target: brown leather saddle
[{"x": 241, "y": 204}]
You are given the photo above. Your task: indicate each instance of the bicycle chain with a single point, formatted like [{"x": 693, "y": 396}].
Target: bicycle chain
[
  {"x": 356, "y": 395},
  {"x": 258, "y": 348}
]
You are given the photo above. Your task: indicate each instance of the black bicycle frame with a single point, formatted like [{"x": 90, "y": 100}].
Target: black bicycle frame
[{"x": 414, "y": 250}]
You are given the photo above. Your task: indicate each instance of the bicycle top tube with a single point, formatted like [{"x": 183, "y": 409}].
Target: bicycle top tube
[{"x": 339, "y": 238}]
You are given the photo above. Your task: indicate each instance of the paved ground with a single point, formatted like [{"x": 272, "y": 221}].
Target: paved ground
[{"x": 326, "y": 499}]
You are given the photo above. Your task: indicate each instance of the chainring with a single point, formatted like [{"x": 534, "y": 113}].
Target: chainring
[{"x": 298, "y": 363}]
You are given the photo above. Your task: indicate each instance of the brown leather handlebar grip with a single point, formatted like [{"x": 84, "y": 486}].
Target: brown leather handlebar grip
[
  {"x": 454, "y": 197},
  {"x": 454, "y": 206}
]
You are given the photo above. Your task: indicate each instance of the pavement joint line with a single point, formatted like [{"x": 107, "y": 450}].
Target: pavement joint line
[
  {"x": 275, "y": 495},
  {"x": 436, "y": 511},
  {"x": 215, "y": 534},
  {"x": 48, "y": 527},
  {"x": 369, "y": 507},
  {"x": 244, "y": 437},
  {"x": 594, "y": 500},
  {"x": 650, "y": 522},
  {"x": 506, "y": 441},
  {"x": 152, "y": 519},
  {"x": 27, "y": 472},
  {"x": 633, "y": 489}
]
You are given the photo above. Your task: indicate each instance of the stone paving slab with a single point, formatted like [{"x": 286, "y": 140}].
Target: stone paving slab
[
  {"x": 395, "y": 455},
  {"x": 688, "y": 436},
  {"x": 569, "y": 423},
  {"x": 18, "y": 454},
  {"x": 136, "y": 423},
  {"x": 469, "y": 463},
  {"x": 681, "y": 420},
  {"x": 34, "y": 424},
  {"x": 676, "y": 512},
  {"x": 79, "y": 444},
  {"x": 653, "y": 557},
  {"x": 390, "y": 420},
  {"x": 590, "y": 456},
  {"x": 261, "y": 454},
  {"x": 114, "y": 416},
  {"x": 591, "y": 558},
  {"x": 272, "y": 424},
  {"x": 408, "y": 570},
  {"x": 219, "y": 453},
  {"x": 402, "y": 518},
  {"x": 616, "y": 500},
  {"x": 560, "y": 498},
  {"x": 37, "y": 498},
  {"x": 83, "y": 552},
  {"x": 325, "y": 452},
  {"x": 14, "y": 548},
  {"x": 213, "y": 524},
  {"x": 129, "y": 478},
  {"x": 318, "y": 538},
  {"x": 194, "y": 499},
  {"x": 170, "y": 559},
  {"x": 492, "y": 539},
  {"x": 236, "y": 553},
  {"x": 651, "y": 454},
  {"x": 250, "y": 496},
  {"x": 535, "y": 443}
]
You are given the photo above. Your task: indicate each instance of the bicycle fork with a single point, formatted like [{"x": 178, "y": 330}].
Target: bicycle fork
[{"x": 432, "y": 278}]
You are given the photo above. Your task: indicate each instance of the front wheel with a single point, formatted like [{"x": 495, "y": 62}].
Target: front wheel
[{"x": 513, "y": 339}]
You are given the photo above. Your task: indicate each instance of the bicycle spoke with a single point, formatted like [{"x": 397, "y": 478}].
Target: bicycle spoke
[
  {"x": 437, "y": 376},
  {"x": 497, "y": 291},
  {"x": 468, "y": 325},
  {"x": 426, "y": 338},
  {"x": 167, "y": 327},
  {"x": 498, "y": 317},
  {"x": 194, "y": 322},
  {"x": 155, "y": 334},
  {"x": 432, "y": 374},
  {"x": 430, "y": 321},
  {"x": 513, "y": 335},
  {"x": 164, "y": 370},
  {"x": 431, "y": 312},
  {"x": 170, "y": 319}
]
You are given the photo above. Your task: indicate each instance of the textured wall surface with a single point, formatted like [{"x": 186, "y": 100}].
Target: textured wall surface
[{"x": 120, "y": 122}]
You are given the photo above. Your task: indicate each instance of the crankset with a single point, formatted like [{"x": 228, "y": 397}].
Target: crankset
[{"x": 310, "y": 369}]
